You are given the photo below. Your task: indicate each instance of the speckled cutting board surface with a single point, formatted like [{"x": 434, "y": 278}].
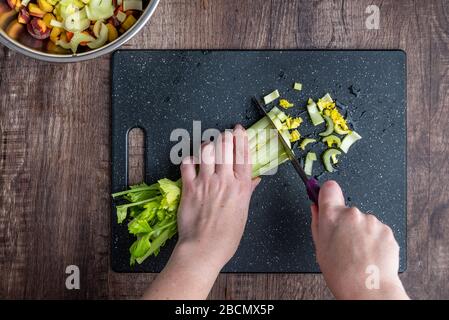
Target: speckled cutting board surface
[{"x": 159, "y": 91}]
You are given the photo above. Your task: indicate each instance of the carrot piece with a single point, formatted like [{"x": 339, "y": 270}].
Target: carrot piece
[{"x": 69, "y": 35}]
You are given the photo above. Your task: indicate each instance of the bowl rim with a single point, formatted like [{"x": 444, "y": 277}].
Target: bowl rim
[{"x": 77, "y": 57}]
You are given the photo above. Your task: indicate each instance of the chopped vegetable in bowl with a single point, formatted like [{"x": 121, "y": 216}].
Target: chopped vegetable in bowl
[{"x": 73, "y": 26}]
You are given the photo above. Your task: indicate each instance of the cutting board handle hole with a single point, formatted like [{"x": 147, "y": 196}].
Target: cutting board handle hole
[{"x": 136, "y": 156}]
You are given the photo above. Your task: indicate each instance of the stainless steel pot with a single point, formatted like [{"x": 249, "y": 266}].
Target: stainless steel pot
[{"x": 37, "y": 54}]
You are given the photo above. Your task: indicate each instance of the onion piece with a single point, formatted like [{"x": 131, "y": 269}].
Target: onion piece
[
  {"x": 132, "y": 5},
  {"x": 121, "y": 16}
]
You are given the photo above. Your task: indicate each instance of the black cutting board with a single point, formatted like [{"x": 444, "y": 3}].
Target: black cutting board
[{"x": 159, "y": 91}]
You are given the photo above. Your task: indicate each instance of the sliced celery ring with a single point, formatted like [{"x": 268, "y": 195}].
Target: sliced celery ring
[
  {"x": 305, "y": 142},
  {"x": 329, "y": 126},
  {"x": 328, "y": 156},
  {"x": 332, "y": 140}
]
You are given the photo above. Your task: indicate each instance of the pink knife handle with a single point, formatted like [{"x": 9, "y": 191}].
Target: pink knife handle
[{"x": 313, "y": 190}]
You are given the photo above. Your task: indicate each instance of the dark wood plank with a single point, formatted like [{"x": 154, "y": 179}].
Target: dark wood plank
[
  {"x": 54, "y": 164},
  {"x": 438, "y": 237},
  {"x": 55, "y": 177}
]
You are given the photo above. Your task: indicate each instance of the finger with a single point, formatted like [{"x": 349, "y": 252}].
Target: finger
[
  {"x": 207, "y": 165},
  {"x": 242, "y": 163},
  {"x": 225, "y": 153},
  {"x": 314, "y": 210},
  {"x": 254, "y": 183},
  {"x": 188, "y": 172},
  {"x": 331, "y": 195}
]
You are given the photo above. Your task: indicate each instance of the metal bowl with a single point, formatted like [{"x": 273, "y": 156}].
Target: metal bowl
[{"x": 76, "y": 57}]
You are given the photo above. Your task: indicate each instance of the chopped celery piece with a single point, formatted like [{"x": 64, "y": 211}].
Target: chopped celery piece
[
  {"x": 281, "y": 115},
  {"x": 305, "y": 142},
  {"x": 262, "y": 137},
  {"x": 314, "y": 114},
  {"x": 293, "y": 123},
  {"x": 297, "y": 86},
  {"x": 121, "y": 16},
  {"x": 79, "y": 37},
  {"x": 100, "y": 9},
  {"x": 271, "y": 97},
  {"x": 325, "y": 102},
  {"x": 328, "y": 155},
  {"x": 295, "y": 136},
  {"x": 329, "y": 127},
  {"x": 56, "y": 23},
  {"x": 340, "y": 130},
  {"x": 284, "y": 133},
  {"x": 332, "y": 140},
  {"x": 264, "y": 123},
  {"x": 284, "y": 103},
  {"x": 349, "y": 140},
  {"x": 310, "y": 158}
]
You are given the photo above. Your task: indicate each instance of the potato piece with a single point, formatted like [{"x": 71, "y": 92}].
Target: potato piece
[
  {"x": 35, "y": 10},
  {"x": 6, "y": 18},
  {"x": 112, "y": 32},
  {"x": 129, "y": 22},
  {"x": 45, "y": 6},
  {"x": 15, "y": 29},
  {"x": 55, "y": 34}
]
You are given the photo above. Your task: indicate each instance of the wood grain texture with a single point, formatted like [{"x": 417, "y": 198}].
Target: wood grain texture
[{"x": 55, "y": 143}]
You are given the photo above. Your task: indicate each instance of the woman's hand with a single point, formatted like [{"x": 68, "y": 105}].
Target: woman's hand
[
  {"x": 211, "y": 217},
  {"x": 214, "y": 204},
  {"x": 358, "y": 254}
]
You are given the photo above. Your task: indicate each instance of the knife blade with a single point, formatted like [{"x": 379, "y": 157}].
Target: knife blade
[{"x": 311, "y": 184}]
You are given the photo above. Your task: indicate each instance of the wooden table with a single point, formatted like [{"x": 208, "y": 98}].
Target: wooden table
[{"x": 55, "y": 143}]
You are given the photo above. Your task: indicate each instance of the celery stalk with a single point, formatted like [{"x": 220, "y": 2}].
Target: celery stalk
[
  {"x": 263, "y": 123},
  {"x": 261, "y": 139},
  {"x": 270, "y": 166},
  {"x": 153, "y": 208},
  {"x": 268, "y": 152}
]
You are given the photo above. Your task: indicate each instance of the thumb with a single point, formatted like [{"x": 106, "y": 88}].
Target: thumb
[{"x": 331, "y": 195}]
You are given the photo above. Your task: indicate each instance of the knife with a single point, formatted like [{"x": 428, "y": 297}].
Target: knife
[{"x": 312, "y": 185}]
